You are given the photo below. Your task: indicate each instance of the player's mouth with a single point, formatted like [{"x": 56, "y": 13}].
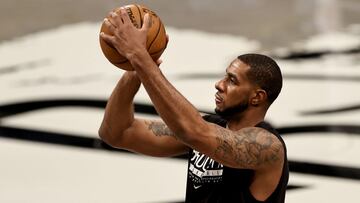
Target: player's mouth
[{"x": 218, "y": 98}]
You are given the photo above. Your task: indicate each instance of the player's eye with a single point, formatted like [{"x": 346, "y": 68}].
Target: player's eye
[{"x": 232, "y": 80}]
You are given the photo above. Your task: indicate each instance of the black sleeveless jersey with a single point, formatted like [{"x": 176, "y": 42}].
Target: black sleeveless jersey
[{"x": 209, "y": 181}]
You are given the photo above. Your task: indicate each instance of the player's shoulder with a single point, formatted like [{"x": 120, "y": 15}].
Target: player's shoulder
[
  {"x": 213, "y": 118},
  {"x": 272, "y": 131}
]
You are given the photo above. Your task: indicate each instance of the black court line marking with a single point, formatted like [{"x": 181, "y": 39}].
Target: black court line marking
[
  {"x": 7, "y": 110},
  {"x": 338, "y": 78},
  {"x": 93, "y": 143},
  {"x": 13, "y": 109},
  {"x": 305, "y": 55},
  {"x": 315, "y": 77},
  {"x": 332, "y": 111},
  {"x": 97, "y": 144},
  {"x": 325, "y": 170},
  {"x": 320, "y": 128},
  {"x": 23, "y": 107}
]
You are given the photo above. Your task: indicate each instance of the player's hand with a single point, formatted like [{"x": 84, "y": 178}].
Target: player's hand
[{"x": 127, "y": 39}]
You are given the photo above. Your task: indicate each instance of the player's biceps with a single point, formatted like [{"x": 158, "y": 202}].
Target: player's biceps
[{"x": 136, "y": 131}]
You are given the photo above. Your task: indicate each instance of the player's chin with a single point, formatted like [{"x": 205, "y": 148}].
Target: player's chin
[
  {"x": 218, "y": 110},
  {"x": 220, "y": 104}
]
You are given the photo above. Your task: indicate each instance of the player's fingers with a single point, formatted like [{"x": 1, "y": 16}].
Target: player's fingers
[
  {"x": 112, "y": 20},
  {"x": 109, "y": 25},
  {"x": 116, "y": 19},
  {"x": 124, "y": 16},
  {"x": 107, "y": 38}
]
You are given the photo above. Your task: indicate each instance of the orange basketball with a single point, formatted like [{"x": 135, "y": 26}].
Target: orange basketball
[{"x": 156, "y": 37}]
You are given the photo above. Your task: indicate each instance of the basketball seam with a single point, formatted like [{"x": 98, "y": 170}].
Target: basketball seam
[
  {"x": 141, "y": 20},
  {"x": 118, "y": 63},
  {"x": 157, "y": 52},
  {"x": 160, "y": 25},
  {"x": 110, "y": 45}
]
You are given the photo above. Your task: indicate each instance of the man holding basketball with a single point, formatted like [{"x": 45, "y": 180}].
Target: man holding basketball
[{"x": 234, "y": 156}]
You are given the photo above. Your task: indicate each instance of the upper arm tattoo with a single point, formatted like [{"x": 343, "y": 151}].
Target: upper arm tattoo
[
  {"x": 247, "y": 148},
  {"x": 159, "y": 128}
]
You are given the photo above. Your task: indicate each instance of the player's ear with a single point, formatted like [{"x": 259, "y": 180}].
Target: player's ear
[{"x": 259, "y": 97}]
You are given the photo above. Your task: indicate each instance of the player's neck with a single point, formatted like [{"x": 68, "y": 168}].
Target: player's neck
[{"x": 249, "y": 119}]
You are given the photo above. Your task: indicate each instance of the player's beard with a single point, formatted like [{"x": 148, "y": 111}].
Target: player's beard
[{"x": 232, "y": 111}]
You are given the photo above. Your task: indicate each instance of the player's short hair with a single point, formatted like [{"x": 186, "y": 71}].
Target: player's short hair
[{"x": 265, "y": 73}]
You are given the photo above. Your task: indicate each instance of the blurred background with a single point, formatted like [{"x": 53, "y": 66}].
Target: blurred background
[{"x": 54, "y": 84}]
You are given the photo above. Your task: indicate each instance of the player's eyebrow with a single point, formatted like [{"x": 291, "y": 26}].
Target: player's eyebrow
[{"x": 232, "y": 75}]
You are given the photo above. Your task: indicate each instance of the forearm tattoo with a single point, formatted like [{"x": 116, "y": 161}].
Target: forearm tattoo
[
  {"x": 160, "y": 129},
  {"x": 248, "y": 148}
]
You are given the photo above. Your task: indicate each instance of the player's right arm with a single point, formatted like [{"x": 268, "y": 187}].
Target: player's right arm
[{"x": 121, "y": 129}]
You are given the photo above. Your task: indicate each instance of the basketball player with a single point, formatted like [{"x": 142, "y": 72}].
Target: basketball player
[{"x": 234, "y": 156}]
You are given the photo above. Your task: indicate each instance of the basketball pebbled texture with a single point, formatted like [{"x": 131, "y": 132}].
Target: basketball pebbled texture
[{"x": 156, "y": 37}]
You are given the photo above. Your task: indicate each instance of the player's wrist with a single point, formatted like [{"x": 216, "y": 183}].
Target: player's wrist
[
  {"x": 141, "y": 59},
  {"x": 133, "y": 77}
]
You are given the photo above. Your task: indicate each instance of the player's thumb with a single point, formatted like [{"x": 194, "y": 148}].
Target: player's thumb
[{"x": 147, "y": 22}]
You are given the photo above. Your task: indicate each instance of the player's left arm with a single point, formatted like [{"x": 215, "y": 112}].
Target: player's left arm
[{"x": 249, "y": 148}]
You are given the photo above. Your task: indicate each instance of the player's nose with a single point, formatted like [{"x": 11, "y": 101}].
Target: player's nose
[{"x": 219, "y": 85}]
